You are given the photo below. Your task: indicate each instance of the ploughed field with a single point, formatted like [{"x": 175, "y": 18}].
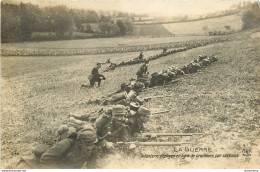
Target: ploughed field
[
  {"x": 221, "y": 100},
  {"x": 94, "y": 46}
]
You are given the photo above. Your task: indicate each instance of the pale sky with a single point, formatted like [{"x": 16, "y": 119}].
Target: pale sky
[{"x": 151, "y": 7}]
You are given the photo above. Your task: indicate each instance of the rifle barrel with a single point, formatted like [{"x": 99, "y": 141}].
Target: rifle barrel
[
  {"x": 160, "y": 144},
  {"x": 170, "y": 134},
  {"x": 160, "y": 112},
  {"x": 151, "y": 143}
]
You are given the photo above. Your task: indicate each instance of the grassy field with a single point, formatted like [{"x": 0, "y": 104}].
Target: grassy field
[
  {"x": 222, "y": 101},
  {"x": 215, "y": 24},
  {"x": 183, "y": 28},
  {"x": 148, "y": 30}
]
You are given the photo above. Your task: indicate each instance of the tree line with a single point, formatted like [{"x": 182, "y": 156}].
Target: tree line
[
  {"x": 251, "y": 16},
  {"x": 18, "y": 22}
]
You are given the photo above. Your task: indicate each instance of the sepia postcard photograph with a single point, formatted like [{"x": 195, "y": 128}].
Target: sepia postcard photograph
[{"x": 130, "y": 84}]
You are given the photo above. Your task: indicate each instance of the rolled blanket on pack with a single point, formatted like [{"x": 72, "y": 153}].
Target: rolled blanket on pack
[{"x": 117, "y": 97}]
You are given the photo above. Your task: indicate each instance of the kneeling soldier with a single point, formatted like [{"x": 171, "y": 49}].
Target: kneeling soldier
[
  {"x": 95, "y": 76},
  {"x": 143, "y": 70}
]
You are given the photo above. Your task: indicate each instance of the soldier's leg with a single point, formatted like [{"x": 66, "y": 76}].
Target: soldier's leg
[
  {"x": 92, "y": 82},
  {"x": 99, "y": 82}
]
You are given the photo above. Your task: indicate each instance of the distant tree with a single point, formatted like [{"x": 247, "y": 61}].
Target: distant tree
[
  {"x": 89, "y": 29},
  {"x": 105, "y": 18},
  {"x": 10, "y": 22},
  {"x": 122, "y": 26},
  {"x": 129, "y": 24},
  {"x": 61, "y": 21},
  {"x": 92, "y": 17},
  {"x": 115, "y": 31},
  {"x": 251, "y": 18},
  {"x": 248, "y": 19},
  {"x": 121, "y": 14},
  {"x": 28, "y": 18},
  {"x": 105, "y": 27},
  {"x": 18, "y": 22}
]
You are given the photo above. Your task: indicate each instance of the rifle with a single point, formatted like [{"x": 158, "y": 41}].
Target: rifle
[
  {"x": 168, "y": 134},
  {"x": 160, "y": 112},
  {"x": 102, "y": 138},
  {"x": 149, "y": 98},
  {"x": 127, "y": 144}
]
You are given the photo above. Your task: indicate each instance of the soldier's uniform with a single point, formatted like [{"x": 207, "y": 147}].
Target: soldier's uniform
[
  {"x": 164, "y": 51},
  {"x": 143, "y": 70},
  {"x": 69, "y": 153},
  {"x": 136, "y": 125},
  {"x": 95, "y": 76},
  {"x": 72, "y": 153},
  {"x": 136, "y": 121},
  {"x": 141, "y": 56},
  {"x": 112, "y": 128}
]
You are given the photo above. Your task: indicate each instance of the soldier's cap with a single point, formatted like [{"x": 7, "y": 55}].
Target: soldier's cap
[
  {"x": 119, "y": 110},
  {"x": 135, "y": 104},
  {"x": 88, "y": 133}
]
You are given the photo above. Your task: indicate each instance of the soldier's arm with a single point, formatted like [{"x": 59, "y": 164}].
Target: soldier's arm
[
  {"x": 56, "y": 152},
  {"x": 92, "y": 160},
  {"x": 124, "y": 136}
]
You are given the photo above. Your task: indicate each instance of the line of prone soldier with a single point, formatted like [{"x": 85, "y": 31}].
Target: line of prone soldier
[{"x": 78, "y": 143}]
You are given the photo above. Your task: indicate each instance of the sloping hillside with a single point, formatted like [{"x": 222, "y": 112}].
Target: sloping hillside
[
  {"x": 150, "y": 30},
  {"x": 195, "y": 27}
]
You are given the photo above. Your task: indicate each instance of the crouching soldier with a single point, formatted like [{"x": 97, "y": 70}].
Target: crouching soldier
[
  {"x": 143, "y": 70},
  {"x": 95, "y": 76},
  {"x": 110, "y": 127}
]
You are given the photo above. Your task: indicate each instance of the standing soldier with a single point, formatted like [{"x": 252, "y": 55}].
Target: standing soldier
[{"x": 95, "y": 76}]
